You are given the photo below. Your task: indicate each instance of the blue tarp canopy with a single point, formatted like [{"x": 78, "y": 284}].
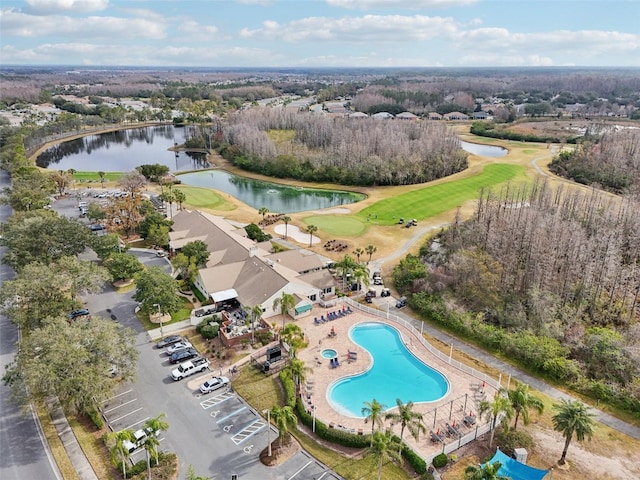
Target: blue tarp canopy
[{"x": 516, "y": 470}]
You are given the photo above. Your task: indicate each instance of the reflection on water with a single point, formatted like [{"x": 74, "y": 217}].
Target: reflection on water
[
  {"x": 275, "y": 197},
  {"x": 483, "y": 150},
  {"x": 124, "y": 150}
]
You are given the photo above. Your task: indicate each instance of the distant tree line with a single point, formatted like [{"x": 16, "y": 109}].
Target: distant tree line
[
  {"x": 611, "y": 162},
  {"x": 340, "y": 150},
  {"x": 549, "y": 278}
]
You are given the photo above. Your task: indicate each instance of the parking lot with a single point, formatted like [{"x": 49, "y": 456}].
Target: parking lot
[{"x": 124, "y": 411}]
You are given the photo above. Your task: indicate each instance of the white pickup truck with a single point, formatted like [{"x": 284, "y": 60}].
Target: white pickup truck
[{"x": 198, "y": 364}]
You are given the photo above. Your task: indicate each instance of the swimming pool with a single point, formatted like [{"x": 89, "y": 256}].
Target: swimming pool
[{"x": 395, "y": 373}]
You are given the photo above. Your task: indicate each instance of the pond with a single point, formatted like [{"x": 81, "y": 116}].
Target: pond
[
  {"x": 274, "y": 196},
  {"x": 483, "y": 150},
  {"x": 124, "y": 150}
]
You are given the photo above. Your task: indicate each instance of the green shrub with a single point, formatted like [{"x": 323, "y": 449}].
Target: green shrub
[
  {"x": 96, "y": 418},
  {"x": 209, "y": 331},
  {"x": 289, "y": 388},
  {"x": 511, "y": 439},
  {"x": 415, "y": 460},
  {"x": 440, "y": 460}
]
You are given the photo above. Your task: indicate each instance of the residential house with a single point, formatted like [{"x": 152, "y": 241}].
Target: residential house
[
  {"x": 382, "y": 116},
  {"x": 434, "y": 116},
  {"x": 455, "y": 116},
  {"x": 407, "y": 116}
]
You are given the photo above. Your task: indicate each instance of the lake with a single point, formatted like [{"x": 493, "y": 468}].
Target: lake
[
  {"x": 274, "y": 196},
  {"x": 483, "y": 150},
  {"x": 124, "y": 150}
]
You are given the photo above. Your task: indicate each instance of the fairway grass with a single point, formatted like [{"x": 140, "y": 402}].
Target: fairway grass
[
  {"x": 346, "y": 225},
  {"x": 436, "y": 199},
  {"x": 205, "y": 198}
]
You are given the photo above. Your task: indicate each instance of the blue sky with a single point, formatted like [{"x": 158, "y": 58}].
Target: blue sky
[{"x": 321, "y": 33}]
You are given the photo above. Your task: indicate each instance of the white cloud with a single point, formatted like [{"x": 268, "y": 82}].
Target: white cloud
[
  {"x": 194, "y": 31},
  {"x": 55, "y": 6},
  {"x": 544, "y": 45},
  {"x": 109, "y": 54},
  {"x": 23, "y": 25},
  {"x": 368, "y": 60},
  {"x": 408, "y": 4},
  {"x": 365, "y": 29},
  {"x": 502, "y": 60}
]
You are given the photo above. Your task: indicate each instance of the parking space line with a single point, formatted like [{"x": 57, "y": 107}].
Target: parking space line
[
  {"x": 125, "y": 415},
  {"x": 300, "y": 470},
  {"x": 231, "y": 414},
  {"x": 121, "y": 405},
  {"x": 212, "y": 402},
  {"x": 248, "y": 431},
  {"x": 116, "y": 396},
  {"x": 137, "y": 423}
]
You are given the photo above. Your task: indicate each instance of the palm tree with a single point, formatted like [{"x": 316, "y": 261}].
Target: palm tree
[
  {"x": 298, "y": 371},
  {"x": 370, "y": 250},
  {"x": 383, "y": 446},
  {"x": 407, "y": 418},
  {"x": 361, "y": 275},
  {"x": 263, "y": 211},
  {"x": 488, "y": 471},
  {"x": 500, "y": 408},
  {"x": 285, "y": 303},
  {"x": 572, "y": 417},
  {"x": 294, "y": 336},
  {"x": 283, "y": 417},
  {"x": 180, "y": 197},
  {"x": 255, "y": 313},
  {"x": 344, "y": 268},
  {"x": 522, "y": 401},
  {"x": 119, "y": 452},
  {"x": 358, "y": 252},
  {"x": 169, "y": 198},
  {"x": 101, "y": 175},
  {"x": 72, "y": 172},
  {"x": 373, "y": 413},
  {"x": 286, "y": 219},
  {"x": 153, "y": 427},
  {"x": 311, "y": 229}
]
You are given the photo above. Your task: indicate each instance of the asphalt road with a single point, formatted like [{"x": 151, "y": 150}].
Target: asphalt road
[{"x": 25, "y": 454}]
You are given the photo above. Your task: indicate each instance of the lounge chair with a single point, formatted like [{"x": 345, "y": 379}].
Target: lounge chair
[
  {"x": 451, "y": 430},
  {"x": 469, "y": 420},
  {"x": 336, "y": 362},
  {"x": 322, "y": 319},
  {"x": 316, "y": 321},
  {"x": 435, "y": 437}
]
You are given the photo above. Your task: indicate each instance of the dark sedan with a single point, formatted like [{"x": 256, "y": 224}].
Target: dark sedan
[{"x": 183, "y": 355}]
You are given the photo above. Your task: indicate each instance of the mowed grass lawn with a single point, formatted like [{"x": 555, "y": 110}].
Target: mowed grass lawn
[
  {"x": 93, "y": 177},
  {"x": 345, "y": 225},
  {"x": 204, "y": 198},
  {"x": 434, "y": 200}
]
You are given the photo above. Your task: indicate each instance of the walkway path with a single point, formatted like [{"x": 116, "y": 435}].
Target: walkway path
[{"x": 75, "y": 453}]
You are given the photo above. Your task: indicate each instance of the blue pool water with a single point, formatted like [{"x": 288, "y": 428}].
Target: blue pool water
[
  {"x": 329, "y": 353},
  {"x": 395, "y": 373}
]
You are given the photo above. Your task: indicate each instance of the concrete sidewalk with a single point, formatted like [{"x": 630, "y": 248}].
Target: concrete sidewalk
[{"x": 76, "y": 455}]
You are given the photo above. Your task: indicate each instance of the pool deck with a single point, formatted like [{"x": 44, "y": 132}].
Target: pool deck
[{"x": 455, "y": 404}]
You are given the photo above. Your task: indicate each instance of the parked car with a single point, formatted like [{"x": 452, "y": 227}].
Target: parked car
[
  {"x": 171, "y": 339},
  {"x": 183, "y": 355},
  {"x": 97, "y": 227},
  {"x": 78, "y": 313},
  {"x": 402, "y": 302},
  {"x": 140, "y": 436},
  {"x": 385, "y": 292},
  {"x": 214, "y": 384},
  {"x": 177, "y": 346}
]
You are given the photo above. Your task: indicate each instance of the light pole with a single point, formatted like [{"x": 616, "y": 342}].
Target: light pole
[
  {"x": 160, "y": 318},
  {"x": 268, "y": 412},
  {"x": 313, "y": 429}
]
